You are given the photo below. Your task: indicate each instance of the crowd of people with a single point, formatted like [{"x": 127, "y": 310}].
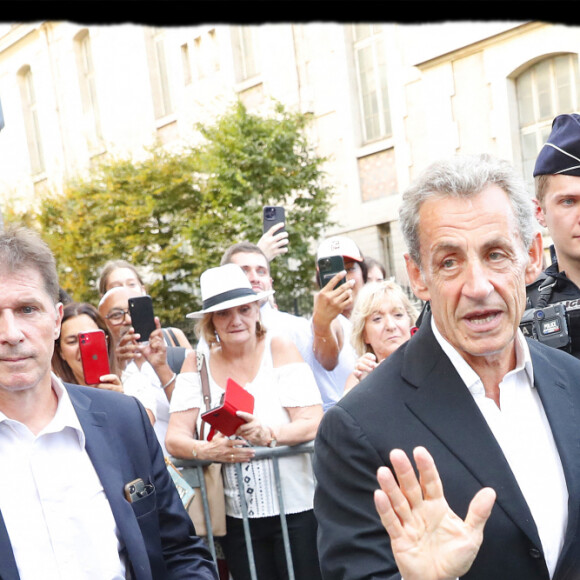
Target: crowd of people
[{"x": 428, "y": 428}]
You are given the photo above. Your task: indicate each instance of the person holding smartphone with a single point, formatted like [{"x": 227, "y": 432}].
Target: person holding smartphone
[
  {"x": 332, "y": 357},
  {"x": 116, "y": 273},
  {"x": 66, "y": 359},
  {"x": 143, "y": 365}
]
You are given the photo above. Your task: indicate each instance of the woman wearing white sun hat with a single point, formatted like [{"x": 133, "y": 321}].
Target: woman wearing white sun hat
[{"x": 287, "y": 411}]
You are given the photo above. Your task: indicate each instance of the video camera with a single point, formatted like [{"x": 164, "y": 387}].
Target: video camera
[{"x": 548, "y": 325}]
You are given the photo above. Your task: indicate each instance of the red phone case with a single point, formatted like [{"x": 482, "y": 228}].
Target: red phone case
[
  {"x": 224, "y": 418},
  {"x": 94, "y": 355}
]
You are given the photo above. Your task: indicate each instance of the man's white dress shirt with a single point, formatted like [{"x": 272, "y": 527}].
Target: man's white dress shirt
[
  {"x": 59, "y": 520},
  {"x": 521, "y": 428}
]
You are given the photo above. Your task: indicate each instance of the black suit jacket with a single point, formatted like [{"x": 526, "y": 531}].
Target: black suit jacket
[
  {"x": 158, "y": 534},
  {"x": 414, "y": 398}
]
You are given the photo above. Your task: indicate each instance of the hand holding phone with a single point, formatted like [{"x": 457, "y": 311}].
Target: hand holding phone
[
  {"x": 94, "y": 355},
  {"x": 328, "y": 268}
]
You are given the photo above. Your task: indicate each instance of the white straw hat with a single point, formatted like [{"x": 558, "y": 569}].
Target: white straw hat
[{"x": 225, "y": 287}]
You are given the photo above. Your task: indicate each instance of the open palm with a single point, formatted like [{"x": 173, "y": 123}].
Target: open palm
[{"x": 429, "y": 541}]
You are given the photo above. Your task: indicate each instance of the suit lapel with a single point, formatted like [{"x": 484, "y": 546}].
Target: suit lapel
[
  {"x": 8, "y": 568},
  {"x": 446, "y": 407},
  {"x": 108, "y": 459},
  {"x": 563, "y": 414}
]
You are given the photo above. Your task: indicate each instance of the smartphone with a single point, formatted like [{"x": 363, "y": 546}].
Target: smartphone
[
  {"x": 328, "y": 268},
  {"x": 142, "y": 317},
  {"x": 273, "y": 214},
  {"x": 136, "y": 490},
  {"x": 94, "y": 355}
]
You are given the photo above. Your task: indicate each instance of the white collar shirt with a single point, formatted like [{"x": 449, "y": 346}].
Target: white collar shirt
[
  {"x": 58, "y": 518},
  {"x": 523, "y": 432}
]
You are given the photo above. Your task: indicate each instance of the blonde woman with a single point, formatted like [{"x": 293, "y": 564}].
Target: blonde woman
[{"x": 382, "y": 319}]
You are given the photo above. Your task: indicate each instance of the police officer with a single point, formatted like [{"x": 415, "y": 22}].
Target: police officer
[{"x": 557, "y": 183}]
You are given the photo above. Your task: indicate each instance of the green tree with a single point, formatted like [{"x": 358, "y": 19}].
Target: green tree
[{"x": 172, "y": 214}]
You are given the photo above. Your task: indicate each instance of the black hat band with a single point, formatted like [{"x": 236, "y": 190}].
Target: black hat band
[{"x": 229, "y": 295}]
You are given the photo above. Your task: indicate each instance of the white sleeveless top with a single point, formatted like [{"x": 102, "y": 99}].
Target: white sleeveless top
[{"x": 274, "y": 390}]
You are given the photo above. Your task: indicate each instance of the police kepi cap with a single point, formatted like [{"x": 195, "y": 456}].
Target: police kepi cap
[
  {"x": 225, "y": 287},
  {"x": 561, "y": 152},
  {"x": 339, "y": 246}
]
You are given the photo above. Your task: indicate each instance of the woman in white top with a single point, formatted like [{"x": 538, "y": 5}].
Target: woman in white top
[{"x": 287, "y": 411}]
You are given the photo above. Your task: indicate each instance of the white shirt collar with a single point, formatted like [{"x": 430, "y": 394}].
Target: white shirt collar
[
  {"x": 469, "y": 376},
  {"x": 65, "y": 415}
]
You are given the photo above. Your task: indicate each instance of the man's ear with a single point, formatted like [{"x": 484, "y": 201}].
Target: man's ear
[
  {"x": 416, "y": 279},
  {"x": 535, "y": 259},
  {"x": 540, "y": 214},
  {"x": 59, "y": 311}
]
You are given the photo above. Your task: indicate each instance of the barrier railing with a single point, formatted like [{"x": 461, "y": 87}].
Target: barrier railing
[{"x": 192, "y": 471}]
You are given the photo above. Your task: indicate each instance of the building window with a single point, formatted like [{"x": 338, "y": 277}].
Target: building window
[
  {"x": 31, "y": 120},
  {"x": 545, "y": 90},
  {"x": 155, "y": 43},
  {"x": 186, "y": 64},
  {"x": 387, "y": 252},
  {"x": 88, "y": 91},
  {"x": 371, "y": 74},
  {"x": 206, "y": 53},
  {"x": 246, "y": 63}
]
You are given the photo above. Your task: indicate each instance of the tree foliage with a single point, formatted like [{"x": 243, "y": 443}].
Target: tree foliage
[{"x": 173, "y": 214}]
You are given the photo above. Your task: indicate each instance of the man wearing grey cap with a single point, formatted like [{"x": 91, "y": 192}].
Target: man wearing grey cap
[{"x": 557, "y": 178}]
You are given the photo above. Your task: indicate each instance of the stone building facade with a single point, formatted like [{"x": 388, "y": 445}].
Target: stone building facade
[{"x": 384, "y": 99}]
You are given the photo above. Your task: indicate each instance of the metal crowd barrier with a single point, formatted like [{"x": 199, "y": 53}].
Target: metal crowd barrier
[{"x": 192, "y": 471}]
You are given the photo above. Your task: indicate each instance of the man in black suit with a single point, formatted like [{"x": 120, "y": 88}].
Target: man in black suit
[
  {"x": 490, "y": 418},
  {"x": 84, "y": 490}
]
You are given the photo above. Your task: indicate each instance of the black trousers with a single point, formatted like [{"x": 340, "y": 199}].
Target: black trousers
[{"x": 268, "y": 547}]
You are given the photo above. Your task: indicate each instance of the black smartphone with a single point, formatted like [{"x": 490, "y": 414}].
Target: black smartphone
[
  {"x": 272, "y": 215},
  {"x": 328, "y": 268},
  {"x": 142, "y": 317}
]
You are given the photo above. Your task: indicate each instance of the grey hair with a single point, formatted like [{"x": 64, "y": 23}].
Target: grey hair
[{"x": 464, "y": 176}]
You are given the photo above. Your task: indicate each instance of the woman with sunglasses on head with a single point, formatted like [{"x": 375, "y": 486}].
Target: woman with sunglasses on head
[{"x": 287, "y": 411}]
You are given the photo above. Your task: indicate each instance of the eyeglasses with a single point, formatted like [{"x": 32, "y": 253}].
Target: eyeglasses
[{"x": 117, "y": 316}]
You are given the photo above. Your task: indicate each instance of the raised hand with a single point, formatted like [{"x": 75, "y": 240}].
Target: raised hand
[
  {"x": 273, "y": 244},
  {"x": 332, "y": 300},
  {"x": 429, "y": 541},
  {"x": 364, "y": 365}
]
